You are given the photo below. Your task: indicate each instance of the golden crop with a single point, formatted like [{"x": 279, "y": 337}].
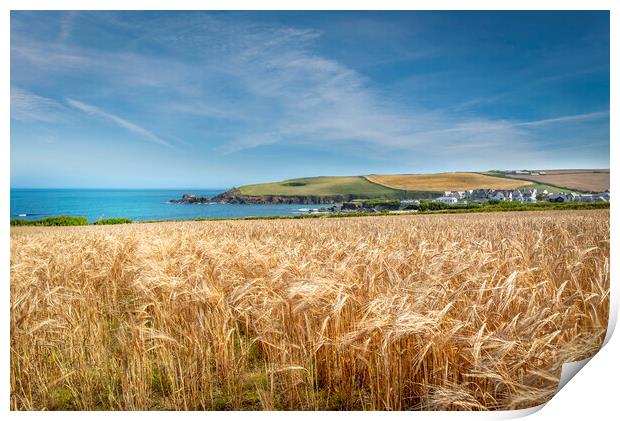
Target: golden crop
[
  {"x": 446, "y": 181},
  {"x": 464, "y": 312}
]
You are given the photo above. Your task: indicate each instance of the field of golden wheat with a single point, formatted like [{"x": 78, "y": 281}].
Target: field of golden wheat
[
  {"x": 596, "y": 180},
  {"x": 458, "y": 312},
  {"x": 445, "y": 181}
]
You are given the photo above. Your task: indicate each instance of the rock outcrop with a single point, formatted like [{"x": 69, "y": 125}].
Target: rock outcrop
[
  {"x": 190, "y": 198},
  {"x": 234, "y": 196}
]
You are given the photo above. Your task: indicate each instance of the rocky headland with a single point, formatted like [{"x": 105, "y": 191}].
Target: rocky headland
[
  {"x": 234, "y": 196},
  {"x": 191, "y": 199}
]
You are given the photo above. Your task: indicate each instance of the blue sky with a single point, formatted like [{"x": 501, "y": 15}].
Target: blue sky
[{"x": 199, "y": 99}]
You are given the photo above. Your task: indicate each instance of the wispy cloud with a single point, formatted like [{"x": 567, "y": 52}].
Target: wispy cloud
[
  {"x": 239, "y": 83},
  {"x": 66, "y": 25},
  {"x": 489, "y": 126},
  {"x": 565, "y": 119},
  {"x": 283, "y": 90},
  {"x": 121, "y": 122},
  {"x": 124, "y": 71},
  {"x": 27, "y": 106}
]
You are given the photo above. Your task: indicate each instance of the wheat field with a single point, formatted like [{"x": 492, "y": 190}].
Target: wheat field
[
  {"x": 446, "y": 181},
  {"x": 594, "y": 180},
  {"x": 431, "y": 312}
]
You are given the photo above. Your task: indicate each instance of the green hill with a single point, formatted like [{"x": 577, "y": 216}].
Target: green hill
[{"x": 322, "y": 186}]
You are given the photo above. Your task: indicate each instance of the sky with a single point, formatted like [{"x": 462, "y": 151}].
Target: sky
[{"x": 159, "y": 99}]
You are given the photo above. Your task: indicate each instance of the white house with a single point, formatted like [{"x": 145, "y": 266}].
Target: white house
[
  {"x": 558, "y": 197},
  {"x": 587, "y": 198},
  {"x": 448, "y": 200},
  {"x": 517, "y": 196},
  {"x": 503, "y": 196}
]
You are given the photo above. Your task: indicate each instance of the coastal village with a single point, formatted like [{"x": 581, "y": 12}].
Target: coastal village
[
  {"x": 449, "y": 199},
  {"x": 417, "y": 200},
  {"x": 454, "y": 199},
  {"x": 523, "y": 196}
]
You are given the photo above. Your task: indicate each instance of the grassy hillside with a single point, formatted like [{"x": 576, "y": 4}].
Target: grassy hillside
[
  {"x": 446, "y": 181},
  {"x": 322, "y": 186},
  {"x": 396, "y": 186}
]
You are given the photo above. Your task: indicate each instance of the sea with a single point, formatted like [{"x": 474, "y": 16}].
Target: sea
[{"x": 138, "y": 205}]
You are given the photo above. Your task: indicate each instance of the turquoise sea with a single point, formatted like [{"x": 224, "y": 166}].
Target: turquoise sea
[{"x": 139, "y": 205}]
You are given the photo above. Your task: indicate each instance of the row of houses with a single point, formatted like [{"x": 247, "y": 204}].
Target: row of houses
[
  {"x": 573, "y": 197},
  {"x": 522, "y": 196},
  {"x": 527, "y": 172}
]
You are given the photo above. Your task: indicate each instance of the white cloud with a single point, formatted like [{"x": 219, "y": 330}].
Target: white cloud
[
  {"x": 500, "y": 125},
  {"x": 66, "y": 25},
  {"x": 564, "y": 119},
  {"x": 271, "y": 85},
  {"x": 26, "y": 106},
  {"x": 121, "y": 122}
]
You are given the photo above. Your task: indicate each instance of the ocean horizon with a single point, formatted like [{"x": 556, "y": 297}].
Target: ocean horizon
[{"x": 136, "y": 204}]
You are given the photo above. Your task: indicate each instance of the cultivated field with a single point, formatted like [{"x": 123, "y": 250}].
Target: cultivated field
[
  {"x": 462, "y": 312},
  {"x": 585, "y": 180},
  {"x": 320, "y": 186},
  {"x": 445, "y": 181}
]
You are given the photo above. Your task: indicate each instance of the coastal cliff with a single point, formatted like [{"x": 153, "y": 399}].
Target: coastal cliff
[{"x": 234, "y": 196}]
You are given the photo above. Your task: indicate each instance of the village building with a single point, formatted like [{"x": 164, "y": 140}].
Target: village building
[
  {"x": 586, "y": 198},
  {"x": 502, "y": 195},
  {"x": 558, "y": 197},
  {"x": 522, "y": 196},
  {"x": 448, "y": 200},
  {"x": 517, "y": 196}
]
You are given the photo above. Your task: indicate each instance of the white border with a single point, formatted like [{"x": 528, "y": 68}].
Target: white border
[
  {"x": 592, "y": 394},
  {"x": 310, "y": 5}
]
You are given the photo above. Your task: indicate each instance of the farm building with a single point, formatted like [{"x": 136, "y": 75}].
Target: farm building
[
  {"x": 504, "y": 196},
  {"x": 517, "y": 196},
  {"x": 448, "y": 200},
  {"x": 587, "y": 198},
  {"x": 558, "y": 197}
]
